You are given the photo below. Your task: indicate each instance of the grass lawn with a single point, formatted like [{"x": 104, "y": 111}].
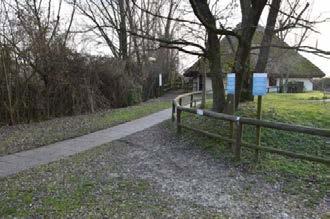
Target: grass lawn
[
  {"x": 310, "y": 180},
  {"x": 28, "y": 136}
]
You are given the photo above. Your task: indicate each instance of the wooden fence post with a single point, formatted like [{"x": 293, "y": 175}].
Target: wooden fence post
[
  {"x": 173, "y": 111},
  {"x": 258, "y": 128},
  {"x": 191, "y": 100},
  {"x": 231, "y": 111},
  {"x": 239, "y": 130},
  {"x": 178, "y": 120}
]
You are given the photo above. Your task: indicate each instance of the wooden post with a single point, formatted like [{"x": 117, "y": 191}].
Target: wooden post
[
  {"x": 258, "y": 128},
  {"x": 231, "y": 111},
  {"x": 173, "y": 111},
  {"x": 180, "y": 101},
  {"x": 191, "y": 100},
  {"x": 239, "y": 130},
  {"x": 203, "y": 103},
  {"x": 178, "y": 120}
]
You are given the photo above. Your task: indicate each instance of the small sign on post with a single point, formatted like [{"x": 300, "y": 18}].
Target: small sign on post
[
  {"x": 259, "y": 84},
  {"x": 231, "y": 87},
  {"x": 231, "y": 78},
  {"x": 200, "y": 112},
  {"x": 160, "y": 84},
  {"x": 160, "y": 80},
  {"x": 259, "y": 89}
]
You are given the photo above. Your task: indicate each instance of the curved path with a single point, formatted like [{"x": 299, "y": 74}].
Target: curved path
[
  {"x": 14, "y": 163},
  {"x": 175, "y": 166}
]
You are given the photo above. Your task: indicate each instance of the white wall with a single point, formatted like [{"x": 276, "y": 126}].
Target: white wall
[
  {"x": 271, "y": 88},
  {"x": 208, "y": 83},
  {"x": 195, "y": 84},
  {"x": 308, "y": 85}
]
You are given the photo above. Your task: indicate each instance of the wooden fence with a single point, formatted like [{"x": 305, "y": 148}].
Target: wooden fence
[
  {"x": 326, "y": 94},
  {"x": 236, "y": 139}
]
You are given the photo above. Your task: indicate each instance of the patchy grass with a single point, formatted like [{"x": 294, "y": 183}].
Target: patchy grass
[
  {"x": 308, "y": 179},
  {"x": 89, "y": 184},
  {"x": 28, "y": 136}
]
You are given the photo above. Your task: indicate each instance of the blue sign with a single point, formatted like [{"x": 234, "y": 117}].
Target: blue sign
[
  {"x": 259, "y": 84},
  {"x": 231, "y": 83}
]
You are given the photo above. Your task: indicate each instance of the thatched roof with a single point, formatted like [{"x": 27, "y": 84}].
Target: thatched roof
[{"x": 280, "y": 61}]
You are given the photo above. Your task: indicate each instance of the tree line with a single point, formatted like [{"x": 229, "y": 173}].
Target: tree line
[{"x": 43, "y": 75}]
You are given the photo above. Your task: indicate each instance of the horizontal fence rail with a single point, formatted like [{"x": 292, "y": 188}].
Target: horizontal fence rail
[{"x": 236, "y": 140}]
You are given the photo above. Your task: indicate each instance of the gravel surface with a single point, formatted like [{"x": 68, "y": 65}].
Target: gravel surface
[
  {"x": 153, "y": 173},
  {"x": 180, "y": 168}
]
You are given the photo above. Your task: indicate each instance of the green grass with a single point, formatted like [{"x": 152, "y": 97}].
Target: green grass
[
  {"x": 25, "y": 137},
  {"x": 308, "y": 179}
]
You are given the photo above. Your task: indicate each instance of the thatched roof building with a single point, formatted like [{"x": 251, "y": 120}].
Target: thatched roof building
[{"x": 282, "y": 62}]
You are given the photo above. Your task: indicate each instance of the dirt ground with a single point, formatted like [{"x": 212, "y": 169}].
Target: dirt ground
[
  {"x": 153, "y": 173},
  {"x": 178, "y": 167}
]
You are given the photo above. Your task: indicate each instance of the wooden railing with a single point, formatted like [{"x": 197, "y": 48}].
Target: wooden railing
[
  {"x": 236, "y": 139},
  {"x": 326, "y": 94}
]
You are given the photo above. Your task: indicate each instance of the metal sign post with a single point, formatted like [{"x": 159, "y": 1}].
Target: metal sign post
[
  {"x": 231, "y": 82},
  {"x": 259, "y": 89}
]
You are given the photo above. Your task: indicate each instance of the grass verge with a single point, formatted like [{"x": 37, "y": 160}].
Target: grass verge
[
  {"x": 307, "y": 179},
  {"x": 28, "y": 136}
]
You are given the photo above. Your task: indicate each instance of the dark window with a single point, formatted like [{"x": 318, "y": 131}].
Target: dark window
[
  {"x": 272, "y": 81},
  {"x": 200, "y": 83}
]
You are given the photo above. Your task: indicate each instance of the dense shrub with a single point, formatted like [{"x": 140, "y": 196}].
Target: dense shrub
[{"x": 69, "y": 84}]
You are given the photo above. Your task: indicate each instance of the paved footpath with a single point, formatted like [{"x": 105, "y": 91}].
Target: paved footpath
[{"x": 14, "y": 163}]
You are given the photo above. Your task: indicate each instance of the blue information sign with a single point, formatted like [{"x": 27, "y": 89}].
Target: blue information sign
[
  {"x": 259, "y": 84},
  {"x": 231, "y": 83}
]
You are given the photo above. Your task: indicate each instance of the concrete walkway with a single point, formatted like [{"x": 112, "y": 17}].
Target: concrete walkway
[{"x": 14, "y": 163}]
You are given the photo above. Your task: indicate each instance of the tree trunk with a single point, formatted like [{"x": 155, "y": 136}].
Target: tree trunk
[
  {"x": 251, "y": 12},
  {"x": 122, "y": 31},
  {"x": 5, "y": 66},
  {"x": 268, "y": 36},
  {"x": 203, "y": 12},
  {"x": 215, "y": 70}
]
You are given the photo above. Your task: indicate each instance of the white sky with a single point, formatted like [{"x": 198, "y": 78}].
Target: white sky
[{"x": 321, "y": 8}]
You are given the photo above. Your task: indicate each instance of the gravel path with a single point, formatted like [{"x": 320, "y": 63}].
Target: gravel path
[
  {"x": 14, "y": 163},
  {"x": 153, "y": 173},
  {"x": 23, "y": 137},
  {"x": 181, "y": 169}
]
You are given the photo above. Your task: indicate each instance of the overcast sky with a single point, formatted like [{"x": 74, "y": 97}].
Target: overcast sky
[{"x": 321, "y": 8}]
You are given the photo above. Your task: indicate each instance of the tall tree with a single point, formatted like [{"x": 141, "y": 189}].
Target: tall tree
[
  {"x": 251, "y": 11},
  {"x": 268, "y": 36},
  {"x": 122, "y": 31},
  {"x": 205, "y": 16}
]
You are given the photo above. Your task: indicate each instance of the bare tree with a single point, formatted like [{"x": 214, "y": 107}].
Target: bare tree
[{"x": 285, "y": 18}]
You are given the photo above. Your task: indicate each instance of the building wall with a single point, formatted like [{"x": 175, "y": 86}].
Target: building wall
[
  {"x": 272, "y": 89},
  {"x": 308, "y": 85},
  {"x": 208, "y": 83}
]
